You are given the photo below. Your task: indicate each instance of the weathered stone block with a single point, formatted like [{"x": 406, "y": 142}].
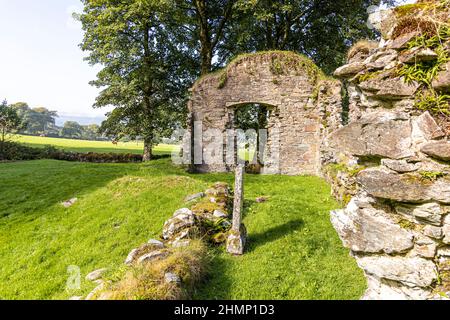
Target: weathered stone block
[
  {"x": 424, "y": 247},
  {"x": 236, "y": 241},
  {"x": 390, "y": 290},
  {"x": 446, "y": 229},
  {"x": 428, "y": 213},
  {"x": 370, "y": 231},
  {"x": 382, "y": 134},
  {"x": 412, "y": 272},
  {"x": 418, "y": 55},
  {"x": 396, "y": 89},
  {"x": 349, "y": 70},
  {"x": 402, "y": 41},
  {"x": 442, "y": 80},
  {"x": 96, "y": 275},
  {"x": 182, "y": 219},
  {"x": 428, "y": 127},
  {"x": 401, "y": 166},
  {"x": 433, "y": 232},
  {"x": 437, "y": 149},
  {"x": 153, "y": 256},
  {"x": 403, "y": 188}
]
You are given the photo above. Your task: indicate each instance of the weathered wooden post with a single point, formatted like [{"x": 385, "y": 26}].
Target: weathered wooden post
[{"x": 238, "y": 234}]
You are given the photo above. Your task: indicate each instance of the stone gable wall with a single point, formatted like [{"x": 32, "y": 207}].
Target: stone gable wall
[{"x": 298, "y": 104}]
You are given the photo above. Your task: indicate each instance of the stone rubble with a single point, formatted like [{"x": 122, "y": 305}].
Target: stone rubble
[
  {"x": 178, "y": 231},
  {"x": 96, "y": 275}
]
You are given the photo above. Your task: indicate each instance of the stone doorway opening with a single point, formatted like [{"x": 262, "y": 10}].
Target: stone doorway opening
[{"x": 251, "y": 122}]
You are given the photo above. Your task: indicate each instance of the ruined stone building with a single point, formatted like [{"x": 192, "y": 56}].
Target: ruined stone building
[{"x": 389, "y": 165}]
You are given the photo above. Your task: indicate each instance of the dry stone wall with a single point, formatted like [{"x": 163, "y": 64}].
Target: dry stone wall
[
  {"x": 302, "y": 109},
  {"x": 391, "y": 165}
]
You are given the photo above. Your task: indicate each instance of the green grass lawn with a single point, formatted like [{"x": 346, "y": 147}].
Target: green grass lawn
[
  {"x": 90, "y": 146},
  {"x": 293, "y": 251}
]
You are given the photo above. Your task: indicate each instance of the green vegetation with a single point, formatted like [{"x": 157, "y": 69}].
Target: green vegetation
[
  {"x": 41, "y": 121},
  {"x": 406, "y": 224},
  {"x": 352, "y": 171},
  {"x": 281, "y": 62},
  {"x": 425, "y": 17},
  {"x": 9, "y": 122},
  {"x": 90, "y": 146},
  {"x": 293, "y": 251},
  {"x": 431, "y": 175},
  {"x": 434, "y": 30},
  {"x": 148, "y": 283}
]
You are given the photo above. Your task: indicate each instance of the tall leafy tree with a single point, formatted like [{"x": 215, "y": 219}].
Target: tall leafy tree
[
  {"x": 143, "y": 74},
  {"x": 322, "y": 30},
  {"x": 9, "y": 122},
  {"x": 40, "y": 119},
  {"x": 72, "y": 129},
  {"x": 209, "y": 22},
  {"x": 36, "y": 120}
]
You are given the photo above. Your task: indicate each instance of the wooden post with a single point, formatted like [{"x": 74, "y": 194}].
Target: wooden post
[{"x": 238, "y": 234}]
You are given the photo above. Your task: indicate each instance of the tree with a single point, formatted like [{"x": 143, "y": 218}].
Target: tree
[
  {"x": 90, "y": 132},
  {"x": 36, "y": 120},
  {"x": 9, "y": 122},
  {"x": 143, "y": 75},
  {"x": 322, "y": 30},
  {"x": 72, "y": 129},
  {"x": 208, "y": 22}
]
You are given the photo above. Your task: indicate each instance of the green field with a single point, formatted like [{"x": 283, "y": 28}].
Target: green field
[
  {"x": 293, "y": 251},
  {"x": 90, "y": 146}
]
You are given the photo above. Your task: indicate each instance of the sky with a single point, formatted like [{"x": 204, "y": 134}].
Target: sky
[{"x": 40, "y": 61}]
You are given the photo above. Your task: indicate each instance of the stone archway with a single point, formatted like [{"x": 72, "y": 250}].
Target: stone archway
[{"x": 302, "y": 101}]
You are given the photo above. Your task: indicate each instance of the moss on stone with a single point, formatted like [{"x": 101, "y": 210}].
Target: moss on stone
[
  {"x": 281, "y": 63},
  {"x": 206, "y": 206},
  {"x": 406, "y": 224},
  {"x": 431, "y": 175}
]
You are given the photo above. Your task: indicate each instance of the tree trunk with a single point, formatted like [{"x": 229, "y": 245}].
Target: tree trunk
[
  {"x": 206, "y": 54},
  {"x": 205, "y": 37},
  {"x": 148, "y": 155}
]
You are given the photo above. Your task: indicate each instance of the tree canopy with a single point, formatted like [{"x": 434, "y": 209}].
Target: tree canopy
[
  {"x": 143, "y": 75},
  {"x": 151, "y": 51}
]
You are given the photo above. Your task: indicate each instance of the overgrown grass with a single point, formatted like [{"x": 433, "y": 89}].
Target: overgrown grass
[
  {"x": 293, "y": 251},
  {"x": 90, "y": 146}
]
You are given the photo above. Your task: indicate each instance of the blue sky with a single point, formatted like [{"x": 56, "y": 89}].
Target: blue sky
[{"x": 40, "y": 61}]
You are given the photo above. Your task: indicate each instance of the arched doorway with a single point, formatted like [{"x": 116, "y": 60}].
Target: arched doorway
[{"x": 251, "y": 121}]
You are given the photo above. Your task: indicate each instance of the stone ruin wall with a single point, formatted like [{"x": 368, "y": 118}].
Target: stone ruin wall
[
  {"x": 302, "y": 108},
  {"x": 391, "y": 164}
]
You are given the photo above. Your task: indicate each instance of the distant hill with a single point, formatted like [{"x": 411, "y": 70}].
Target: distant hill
[{"x": 83, "y": 120}]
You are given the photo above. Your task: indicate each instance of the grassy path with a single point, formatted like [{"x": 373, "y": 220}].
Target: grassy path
[{"x": 294, "y": 253}]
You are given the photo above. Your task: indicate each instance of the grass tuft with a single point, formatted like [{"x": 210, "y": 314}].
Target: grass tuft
[{"x": 147, "y": 281}]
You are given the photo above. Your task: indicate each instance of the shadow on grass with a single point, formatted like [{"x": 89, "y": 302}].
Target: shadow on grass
[
  {"x": 33, "y": 186},
  {"x": 273, "y": 234},
  {"x": 216, "y": 285}
]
